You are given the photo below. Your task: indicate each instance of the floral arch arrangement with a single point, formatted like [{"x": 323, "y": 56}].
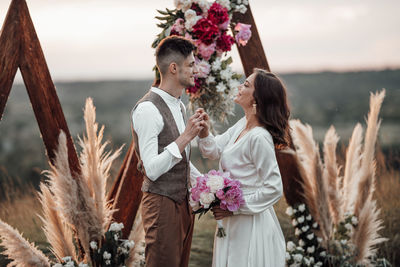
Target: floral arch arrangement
[{"x": 207, "y": 24}]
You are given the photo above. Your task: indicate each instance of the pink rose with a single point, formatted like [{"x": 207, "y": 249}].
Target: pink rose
[
  {"x": 205, "y": 51},
  {"x": 178, "y": 27},
  {"x": 243, "y": 33}
]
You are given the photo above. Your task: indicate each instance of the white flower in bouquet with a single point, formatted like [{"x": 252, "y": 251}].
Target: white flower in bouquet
[
  {"x": 348, "y": 226},
  {"x": 306, "y": 261},
  {"x": 93, "y": 245},
  {"x": 203, "y": 68},
  {"x": 305, "y": 228},
  {"x": 302, "y": 243},
  {"x": 241, "y": 8},
  {"x": 297, "y": 231},
  {"x": 108, "y": 262},
  {"x": 302, "y": 207},
  {"x": 343, "y": 241},
  {"x": 310, "y": 236},
  {"x": 294, "y": 222},
  {"x": 312, "y": 260},
  {"x": 206, "y": 199},
  {"x": 233, "y": 84},
  {"x": 308, "y": 218},
  {"x": 322, "y": 254},
  {"x": 319, "y": 264},
  {"x": 129, "y": 244},
  {"x": 215, "y": 183},
  {"x": 216, "y": 65},
  {"x": 226, "y": 74},
  {"x": 225, "y": 3},
  {"x": 300, "y": 219},
  {"x": 204, "y": 5},
  {"x": 315, "y": 225},
  {"x": 354, "y": 220},
  {"x": 221, "y": 87},
  {"x": 300, "y": 249},
  {"x": 106, "y": 255},
  {"x": 116, "y": 237},
  {"x": 116, "y": 227},
  {"x": 311, "y": 249},
  {"x": 319, "y": 239},
  {"x": 297, "y": 257},
  {"x": 210, "y": 79},
  {"x": 290, "y": 246},
  {"x": 191, "y": 19},
  {"x": 183, "y": 4}
]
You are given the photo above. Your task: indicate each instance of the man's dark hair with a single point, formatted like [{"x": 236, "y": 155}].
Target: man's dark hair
[{"x": 172, "y": 49}]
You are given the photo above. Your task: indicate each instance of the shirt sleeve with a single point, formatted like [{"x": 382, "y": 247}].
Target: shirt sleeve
[
  {"x": 211, "y": 147},
  {"x": 147, "y": 131},
  {"x": 262, "y": 154}
]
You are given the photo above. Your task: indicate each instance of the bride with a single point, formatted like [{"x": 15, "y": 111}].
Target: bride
[{"x": 253, "y": 235}]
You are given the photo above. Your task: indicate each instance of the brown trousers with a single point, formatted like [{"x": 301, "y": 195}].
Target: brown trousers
[{"x": 168, "y": 228}]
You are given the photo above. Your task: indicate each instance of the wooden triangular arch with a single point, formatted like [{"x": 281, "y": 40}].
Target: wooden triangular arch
[{"x": 20, "y": 48}]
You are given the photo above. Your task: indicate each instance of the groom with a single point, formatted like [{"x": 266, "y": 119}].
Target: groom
[{"x": 163, "y": 147}]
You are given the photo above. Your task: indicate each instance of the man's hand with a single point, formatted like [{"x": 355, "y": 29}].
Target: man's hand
[
  {"x": 205, "y": 123},
  {"x": 193, "y": 127},
  {"x": 219, "y": 213}
]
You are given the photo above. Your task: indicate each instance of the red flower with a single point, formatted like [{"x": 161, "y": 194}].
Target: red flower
[
  {"x": 225, "y": 42},
  {"x": 205, "y": 30},
  {"x": 218, "y": 14},
  {"x": 194, "y": 89}
]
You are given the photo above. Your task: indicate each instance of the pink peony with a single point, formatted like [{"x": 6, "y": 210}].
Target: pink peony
[
  {"x": 225, "y": 42},
  {"x": 243, "y": 33},
  {"x": 233, "y": 198},
  {"x": 203, "y": 68},
  {"x": 218, "y": 15},
  {"x": 201, "y": 186},
  {"x": 205, "y": 30},
  {"x": 178, "y": 27},
  {"x": 205, "y": 51}
]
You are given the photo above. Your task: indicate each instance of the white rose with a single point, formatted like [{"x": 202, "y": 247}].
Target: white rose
[
  {"x": 116, "y": 227},
  {"x": 302, "y": 207},
  {"x": 290, "y": 246},
  {"x": 310, "y": 236},
  {"x": 204, "y": 5},
  {"x": 294, "y": 222},
  {"x": 354, "y": 220},
  {"x": 191, "y": 19},
  {"x": 311, "y": 249},
  {"x": 297, "y": 257},
  {"x": 221, "y": 87},
  {"x": 302, "y": 243},
  {"x": 300, "y": 219},
  {"x": 215, "y": 183},
  {"x": 206, "y": 199},
  {"x": 289, "y": 211},
  {"x": 93, "y": 245},
  {"x": 308, "y": 218}
]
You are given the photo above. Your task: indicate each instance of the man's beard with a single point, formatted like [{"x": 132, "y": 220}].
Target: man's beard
[{"x": 186, "y": 82}]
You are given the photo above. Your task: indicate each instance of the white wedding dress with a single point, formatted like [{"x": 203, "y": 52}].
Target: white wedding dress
[{"x": 254, "y": 237}]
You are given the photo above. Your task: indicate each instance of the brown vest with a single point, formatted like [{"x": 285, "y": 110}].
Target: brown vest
[{"x": 174, "y": 183}]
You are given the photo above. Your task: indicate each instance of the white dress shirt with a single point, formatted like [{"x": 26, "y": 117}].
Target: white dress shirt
[{"x": 148, "y": 123}]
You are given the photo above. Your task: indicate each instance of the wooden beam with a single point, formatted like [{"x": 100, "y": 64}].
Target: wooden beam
[
  {"x": 10, "y": 39},
  {"x": 253, "y": 56}
]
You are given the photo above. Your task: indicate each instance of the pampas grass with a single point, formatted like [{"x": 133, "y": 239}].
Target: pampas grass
[
  {"x": 329, "y": 196},
  {"x": 19, "y": 250},
  {"x": 136, "y": 257}
]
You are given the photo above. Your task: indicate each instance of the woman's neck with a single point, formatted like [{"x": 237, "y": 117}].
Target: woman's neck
[{"x": 251, "y": 120}]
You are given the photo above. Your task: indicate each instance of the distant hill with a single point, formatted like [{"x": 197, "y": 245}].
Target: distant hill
[{"x": 320, "y": 99}]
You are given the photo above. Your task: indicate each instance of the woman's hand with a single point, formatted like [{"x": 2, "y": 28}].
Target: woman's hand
[
  {"x": 220, "y": 213},
  {"x": 204, "y": 123}
]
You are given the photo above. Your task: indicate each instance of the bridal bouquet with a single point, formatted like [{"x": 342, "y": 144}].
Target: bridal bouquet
[
  {"x": 216, "y": 189},
  {"x": 209, "y": 25}
]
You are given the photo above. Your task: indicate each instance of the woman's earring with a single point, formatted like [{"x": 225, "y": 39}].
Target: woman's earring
[{"x": 254, "y": 108}]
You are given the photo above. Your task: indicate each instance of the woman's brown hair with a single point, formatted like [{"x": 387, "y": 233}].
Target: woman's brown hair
[{"x": 272, "y": 106}]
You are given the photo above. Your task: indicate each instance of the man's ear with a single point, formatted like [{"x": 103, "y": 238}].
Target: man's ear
[{"x": 173, "y": 68}]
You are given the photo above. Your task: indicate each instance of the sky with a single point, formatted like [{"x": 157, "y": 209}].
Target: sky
[{"x": 111, "y": 39}]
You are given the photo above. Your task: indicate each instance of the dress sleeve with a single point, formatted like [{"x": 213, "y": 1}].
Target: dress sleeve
[
  {"x": 262, "y": 154},
  {"x": 211, "y": 146}
]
